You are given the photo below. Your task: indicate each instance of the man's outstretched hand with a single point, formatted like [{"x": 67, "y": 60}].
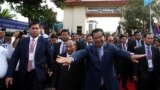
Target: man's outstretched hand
[
  {"x": 64, "y": 60},
  {"x": 134, "y": 57}
]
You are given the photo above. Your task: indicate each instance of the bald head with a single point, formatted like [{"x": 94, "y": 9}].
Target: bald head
[{"x": 70, "y": 46}]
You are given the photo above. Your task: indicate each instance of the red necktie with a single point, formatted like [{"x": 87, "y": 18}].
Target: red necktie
[{"x": 31, "y": 49}]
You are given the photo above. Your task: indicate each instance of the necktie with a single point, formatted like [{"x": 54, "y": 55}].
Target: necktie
[
  {"x": 100, "y": 53},
  {"x": 149, "y": 54},
  {"x": 63, "y": 48},
  {"x": 31, "y": 49},
  {"x": 124, "y": 48},
  {"x": 149, "y": 57},
  {"x": 139, "y": 43}
]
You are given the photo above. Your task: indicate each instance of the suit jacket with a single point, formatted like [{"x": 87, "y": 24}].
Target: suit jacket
[
  {"x": 100, "y": 68},
  {"x": 42, "y": 57},
  {"x": 132, "y": 45},
  {"x": 124, "y": 65},
  {"x": 58, "y": 45},
  {"x": 141, "y": 68},
  {"x": 71, "y": 78}
]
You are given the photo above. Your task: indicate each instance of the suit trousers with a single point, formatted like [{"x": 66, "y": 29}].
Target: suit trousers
[
  {"x": 31, "y": 82},
  {"x": 102, "y": 87}
]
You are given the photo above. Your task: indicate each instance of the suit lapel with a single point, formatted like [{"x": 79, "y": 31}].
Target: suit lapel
[
  {"x": 153, "y": 51},
  {"x": 105, "y": 51},
  {"x": 94, "y": 48},
  {"x": 38, "y": 46},
  {"x": 27, "y": 47}
]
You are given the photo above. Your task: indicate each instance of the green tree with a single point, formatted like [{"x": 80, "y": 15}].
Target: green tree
[
  {"x": 5, "y": 13},
  {"x": 31, "y": 8},
  {"x": 47, "y": 18},
  {"x": 136, "y": 15}
]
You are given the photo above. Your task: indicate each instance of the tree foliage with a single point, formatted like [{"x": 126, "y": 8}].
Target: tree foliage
[
  {"x": 135, "y": 15},
  {"x": 35, "y": 11},
  {"x": 5, "y": 13}
]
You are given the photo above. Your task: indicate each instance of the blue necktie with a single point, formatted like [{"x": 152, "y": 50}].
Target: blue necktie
[
  {"x": 149, "y": 54},
  {"x": 99, "y": 53},
  {"x": 63, "y": 48}
]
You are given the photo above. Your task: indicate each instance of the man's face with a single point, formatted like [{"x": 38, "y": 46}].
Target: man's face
[
  {"x": 53, "y": 40},
  {"x": 34, "y": 30},
  {"x": 70, "y": 47},
  {"x": 149, "y": 39},
  {"x": 115, "y": 37},
  {"x": 123, "y": 40},
  {"x": 89, "y": 39},
  {"x": 75, "y": 37},
  {"x": 7, "y": 38},
  {"x": 156, "y": 43},
  {"x": 64, "y": 36},
  {"x": 126, "y": 34},
  {"x": 110, "y": 40},
  {"x": 1, "y": 34},
  {"x": 98, "y": 39},
  {"x": 138, "y": 36}
]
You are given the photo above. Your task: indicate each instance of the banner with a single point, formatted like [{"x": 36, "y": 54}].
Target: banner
[{"x": 13, "y": 24}]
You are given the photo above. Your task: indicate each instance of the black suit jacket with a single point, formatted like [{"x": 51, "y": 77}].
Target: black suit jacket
[
  {"x": 71, "y": 78},
  {"x": 141, "y": 68},
  {"x": 132, "y": 45},
  {"x": 42, "y": 58}
]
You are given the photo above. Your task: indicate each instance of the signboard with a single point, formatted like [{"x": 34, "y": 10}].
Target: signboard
[
  {"x": 12, "y": 24},
  {"x": 105, "y": 10}
]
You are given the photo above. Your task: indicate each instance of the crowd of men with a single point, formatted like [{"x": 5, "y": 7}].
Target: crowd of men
[{"x": 79, "y": 62}]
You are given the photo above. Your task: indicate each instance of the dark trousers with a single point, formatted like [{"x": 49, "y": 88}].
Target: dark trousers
[
  {"x": 31, "y": 82},
  {"x": 102, "y": 87},
  {"x": 149, "y": 83},
  {"x": 2, "y": 85}
]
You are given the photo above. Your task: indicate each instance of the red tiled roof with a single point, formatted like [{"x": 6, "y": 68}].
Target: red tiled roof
[{"x": 95, "y": 2}]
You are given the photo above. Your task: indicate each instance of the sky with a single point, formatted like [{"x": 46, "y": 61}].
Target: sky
[{"x": 108, "y": 24}]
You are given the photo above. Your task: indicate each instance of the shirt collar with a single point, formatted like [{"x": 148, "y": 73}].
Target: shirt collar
[
  {"x": 34, "y": 38},
  {"x": 70, "y": 54},
  {"x": 146, "y": 46}
]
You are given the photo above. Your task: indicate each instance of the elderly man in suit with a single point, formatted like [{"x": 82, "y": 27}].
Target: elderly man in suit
[
  {"x": 100, "y": 62},
  {"x": 33, "y": 55},
  {"x": 70, "y": 77}
]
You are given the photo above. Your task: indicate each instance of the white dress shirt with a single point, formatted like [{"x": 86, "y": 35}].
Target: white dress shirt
[
  {"x": 32, "y": 55},
  {"x": 3, "y": 61}
]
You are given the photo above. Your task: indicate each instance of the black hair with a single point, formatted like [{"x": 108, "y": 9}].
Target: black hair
[
  {"x": 65, "y": 30},
  {"x": 98, "y": 30},
  {"x": 54, "y": 36},
  {"x": 89, "y": 35},
  {"x": 122, "y": 36},
  {"x": 145, "y": 35},
  {"x": 137, "y": 32},
  {"x": 33, "y": 23}
]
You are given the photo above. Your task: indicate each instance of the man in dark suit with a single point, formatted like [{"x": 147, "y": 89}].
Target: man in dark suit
[
  {"x": 147, "y": 71},
  {"x": 100, "y": 61},
  {"x": 33, "y": 55},
  {"x": 70, "y": 77},
  {"x": 61, "y": 47},
  {"x": 124, "y": 66},
  {"x": 138, "y": 42},
  {"x": 88, "y": 41}
]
